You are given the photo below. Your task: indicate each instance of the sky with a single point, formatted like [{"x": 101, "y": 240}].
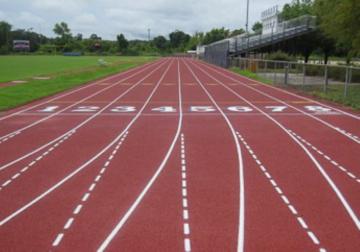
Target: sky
[{"x": 133, "y": 18}]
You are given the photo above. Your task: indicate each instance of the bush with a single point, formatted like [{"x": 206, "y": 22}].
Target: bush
[
  {"x": 281, "y": 56},
  {"x": 4, "y": 50}
]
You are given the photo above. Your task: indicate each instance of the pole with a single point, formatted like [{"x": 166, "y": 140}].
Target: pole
[
  {"x": 149, "y": 34},
  {"x": 247, "y": 17}
]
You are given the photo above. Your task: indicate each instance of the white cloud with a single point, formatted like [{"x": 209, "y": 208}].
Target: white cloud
[
  {"x": 2, "y": 15},
  {"x": 85, "y": 19},
  {"x": 110, "y": 17},
  {"x": 29, "y": 18}
]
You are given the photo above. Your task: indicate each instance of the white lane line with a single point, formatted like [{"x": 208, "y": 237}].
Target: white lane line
[
  {"x": 69, "y": 223},
  {"x": 187, "y": 245},
  {"x": 322, "y": 171},
  {"x": 86, "y": 197},
  {"x": 31, "y": 164},
  {"x": 185, "y": 205},
  {"x": 83, "y": 123},
  {"x": 78, "y": 209},
  {"x": 241, "y": 225},
  {"x": 291, "y": 207},
  {"x": 332, "y": 161},
  {"x": 58, "y": 240},
  {"x": 140, "y": 197},
  {"x": 83, "y": 200}
]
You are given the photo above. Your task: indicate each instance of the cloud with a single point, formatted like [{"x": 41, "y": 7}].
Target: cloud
[
  {"x": 29, "y": 18},
  {"x": 107, "y": 18},
  {"x": 85, "y": 19},
  {"x": 56, "y": 6}
]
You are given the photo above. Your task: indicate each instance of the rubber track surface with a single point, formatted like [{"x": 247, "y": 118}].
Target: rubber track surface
[{"x": 179, "y": 155}]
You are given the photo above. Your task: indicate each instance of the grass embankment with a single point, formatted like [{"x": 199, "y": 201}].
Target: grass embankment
[
  {"x": 334, "y": 93},
  {"x": 64, "y": 73}
]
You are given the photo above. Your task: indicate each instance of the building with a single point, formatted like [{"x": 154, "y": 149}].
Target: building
[{"x": 21, "y": 45}]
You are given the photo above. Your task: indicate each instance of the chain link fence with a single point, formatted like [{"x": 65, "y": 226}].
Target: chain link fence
[{"x": 339, "y": 83}]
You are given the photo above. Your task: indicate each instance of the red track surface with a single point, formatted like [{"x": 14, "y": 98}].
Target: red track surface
[{"x": 179, "y": 155}]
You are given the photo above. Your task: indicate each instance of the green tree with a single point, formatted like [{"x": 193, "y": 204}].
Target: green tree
[
  {"x": 179, "y": 39},
  {"x": 340, "y": 21},
  {"x": 216, "y": 35},
  {"x": 237, "y": 32},
  {"x": 62, "y": 30},
  {"x": 160, "y": 42},
  {"x": 296, "y": 9},
  {"x": 122, "y": 42},
  {"x": 5, "y": 29},
  {"x": 257, "y": 27}
]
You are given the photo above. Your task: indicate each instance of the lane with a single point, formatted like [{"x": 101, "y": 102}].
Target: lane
[
  {"x": 28, "y": 143},
  {"x": 344, "y": 123},
  {"x": 115, "y": 184},
  {"x": 294, "y": 169},
  {"x": 88, "y": 88}
]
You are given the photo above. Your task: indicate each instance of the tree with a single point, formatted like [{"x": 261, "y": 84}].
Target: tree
[
  {"x": 339, "y": 20},
  {"x": 216, "y": 35},
  {"x": 178, "y": 39},
  {"x": 79, "y": 37},
  {"x": 5, "y": 29},
  {"x": 123, "y": 44},
  {"x": 160, "y": 43},
  {"x": 257, "y": 27},
  {"x": 94, "y": 37},
  {"x": 62, "y": 30},
  {"x": 296, "y": 9},
  {"x": 237, "y": 32}
]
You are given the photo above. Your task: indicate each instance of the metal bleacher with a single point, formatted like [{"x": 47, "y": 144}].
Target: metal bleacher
[{"x": 218, "y": 52}]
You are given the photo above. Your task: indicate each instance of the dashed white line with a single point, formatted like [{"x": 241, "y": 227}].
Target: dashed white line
[
  {"x": 78, "y": 209},
  {"x": 85, "y": 197},
  {"x": 184, "y": 190},
  {"x": 58, "y": 239},
  {"x": 285, "y": 199},
  {"x": 333, "y": 162},
  {"x": 68, "y": 223},
  {"x": 31, "y": 164}
]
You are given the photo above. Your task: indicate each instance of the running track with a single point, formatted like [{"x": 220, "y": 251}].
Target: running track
[{"x": 179, "y": 155}]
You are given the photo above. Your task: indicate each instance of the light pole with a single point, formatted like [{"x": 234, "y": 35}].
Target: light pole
[
  {"x": 247, "y": 27},
  {"x": 247, "y": 17}
]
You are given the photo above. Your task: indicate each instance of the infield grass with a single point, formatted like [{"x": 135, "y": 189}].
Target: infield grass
[{"x": 64, "y": 73}]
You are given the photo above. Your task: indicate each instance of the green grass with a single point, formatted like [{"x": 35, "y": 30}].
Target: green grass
[
  {"x": 250, "y": 75},
  {"x": 334, "y": 93},
  {"x": 23, "y": 67},
  {"x": 65, "y": 72}
]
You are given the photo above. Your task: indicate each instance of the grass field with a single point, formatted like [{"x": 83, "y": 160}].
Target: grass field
[
  {"x": 335, "y": 93},
  {"x": 65, "y": 73}
]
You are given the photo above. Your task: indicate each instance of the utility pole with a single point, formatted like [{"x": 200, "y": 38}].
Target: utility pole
[
  {"x": 149, "y": 30},
  {"x": 247, "y": 17}
]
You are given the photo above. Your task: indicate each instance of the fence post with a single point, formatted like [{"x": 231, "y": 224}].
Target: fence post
[
  {"x": 286, "y": 74},
  {"x": 275, "y": 68},
  {"x": 326, "y": 83},
  {"x": 304, "y": 75},
  {"x": 347, "y": 79}
]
